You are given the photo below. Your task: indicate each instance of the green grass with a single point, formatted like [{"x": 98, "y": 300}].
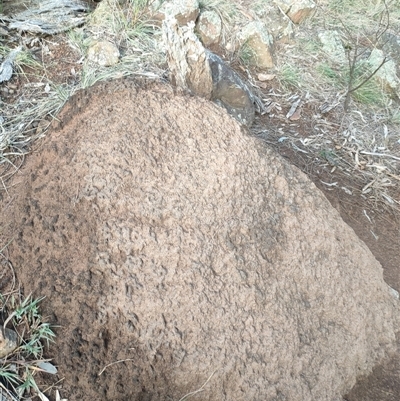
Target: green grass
[
  {"x": 246, "y": 55},
  {"x": 18, "y": 369},
  {"x": 289, "y": 77},
  {"x": 370, "y": 93}
]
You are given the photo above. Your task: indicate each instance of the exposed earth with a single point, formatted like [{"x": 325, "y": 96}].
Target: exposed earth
[{"x": 176, "y": 248}]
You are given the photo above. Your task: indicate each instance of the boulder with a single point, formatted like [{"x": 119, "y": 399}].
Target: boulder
[
  {"x": 209, "y": 28},
  {"x": 259, "y": 43},
  {"x": 296, "y": 10},
  {"x": 168, "y": 240},
  {"x": 8, "y": 341},
  {"x": 390, "y": 44},
  {"x": 279, "y": 25}
]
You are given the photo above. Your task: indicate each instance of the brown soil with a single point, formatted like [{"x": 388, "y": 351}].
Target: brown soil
[
  {"x": 381, "y": 232},
  {"x": 377, "y": 224},
  {"x": 167, "y": 239}
]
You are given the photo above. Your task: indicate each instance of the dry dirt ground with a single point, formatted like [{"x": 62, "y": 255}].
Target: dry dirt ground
[{"x": 66, "y": 252}]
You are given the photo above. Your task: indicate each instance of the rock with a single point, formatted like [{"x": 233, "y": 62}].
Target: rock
[
  {"x": 205, "y": 74},
  {"x": 230, "y": 91},
  {"x": 209, "y": 28},
  {"x": 184, "y": 11},
  {"x": 332, "y": 46},
  {"x": 296, "y": 10},
  {"x": 187, "y": 59},
  {"x": 387, "y": 73},
  {"x": 8, "y": 341},
  {"x": 159, "y": 226},
  {"x": 265, "y": 77},
  {"x": 103, "y": 53},
  {"x": 390, "y": 44},
  {"x": 279, "y": 24},
  {"x": 49, "y": 17},
  {"x": 256, "y": 38}
]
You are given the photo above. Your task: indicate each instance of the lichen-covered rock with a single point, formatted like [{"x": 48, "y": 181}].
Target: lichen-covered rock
[
  {"x": 103, "y": 53},
  {"x": 209, "y": 28},
  {"x": 390, "y": 43},
  {"x": 296, "y": 10},
  {"x": 279, "y": 26},
  {"x": 259, "y": 42},
  {"x": 187, "y": 59},
  {"x": 164, "y": 236},
  {"x": 387, "y": 73},
  {"x": 184, "y": 11},
  {"x": 332, "y": 46}
]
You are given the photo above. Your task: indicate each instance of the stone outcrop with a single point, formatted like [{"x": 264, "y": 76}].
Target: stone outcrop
[
  {"x": 230, "y": 92},
  {"x": 8, "y": 342},
  {"x": 205, "y": 74},
  {"x": 332, "y": 46},
  {"x": 162, "y": 235},
  {"x": 387, "y": 73},
  {"x": 187, "y": 59},
  {"x": 259, "y": 41}
]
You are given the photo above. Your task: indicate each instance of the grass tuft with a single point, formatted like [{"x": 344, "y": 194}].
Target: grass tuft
[
  {"x": 289, "y": 77},
  {"x": 18, "y": 369}
]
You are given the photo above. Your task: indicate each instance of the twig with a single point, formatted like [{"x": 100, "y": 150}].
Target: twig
[
  {"x": 363, "y": 152},
  {"x": 185, "y": 397},
  {"x": 114, "y": 363}
]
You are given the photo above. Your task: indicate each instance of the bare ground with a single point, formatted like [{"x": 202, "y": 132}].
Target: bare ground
[{"x": 63, "y": 248}]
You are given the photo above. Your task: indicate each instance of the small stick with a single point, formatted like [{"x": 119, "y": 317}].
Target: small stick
[
  {"x": 114, "y": 363},
  {"x": 363, "y": 152}
]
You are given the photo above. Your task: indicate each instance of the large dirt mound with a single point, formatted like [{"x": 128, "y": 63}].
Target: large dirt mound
[{"x": 163, "y": 234}]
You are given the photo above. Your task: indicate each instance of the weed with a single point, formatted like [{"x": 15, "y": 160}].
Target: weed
[
  {"x": 329, "y": 155},
  {"x": 289, "y": 77},
  {"x": 328, "y": 73},
  {"x": 246, "y": 54},
  {"x": 17, "y": 370},
  {"x": 395, "y": 118}
]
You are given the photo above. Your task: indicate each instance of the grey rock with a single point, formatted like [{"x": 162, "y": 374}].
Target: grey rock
[
  {"x": 187, "y": 58},
  {"x": 387, "y": 72},
  {"x": 184, "y": 11},
  {"x": 205, "y": 74},
  {"x": 332, "y": 46},
  {"x": 230, "y": 91},
  {"x": 8, "y": 341}
]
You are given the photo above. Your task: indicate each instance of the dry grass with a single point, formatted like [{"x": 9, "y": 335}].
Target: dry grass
[
  {"x": 40, "y": 100},
  {"x": 363, "y": 143},
  {"x": 22, "y": 315}
]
